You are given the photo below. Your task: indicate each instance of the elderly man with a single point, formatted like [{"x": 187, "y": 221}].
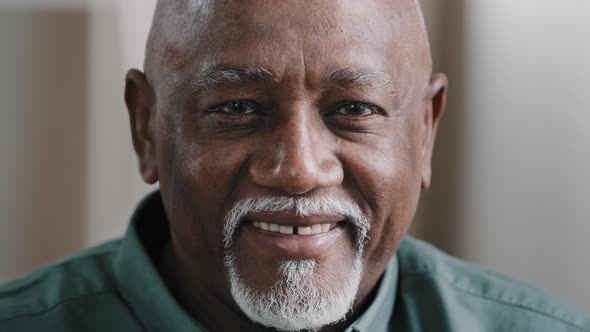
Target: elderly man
[{"x": 291, "y": 141}]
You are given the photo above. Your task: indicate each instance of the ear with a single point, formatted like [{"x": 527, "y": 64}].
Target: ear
[
  {"x": 139, "y": 97},
  {"x": 436, "y": 95}
]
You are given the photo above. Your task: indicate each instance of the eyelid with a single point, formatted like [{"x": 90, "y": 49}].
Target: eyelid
[
  {"x": 376, "y": 109},
  {"x": 248, "y": 103}
]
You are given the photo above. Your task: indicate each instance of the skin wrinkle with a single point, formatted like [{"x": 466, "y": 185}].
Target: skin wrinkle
[{"x": 205, "y": 165}]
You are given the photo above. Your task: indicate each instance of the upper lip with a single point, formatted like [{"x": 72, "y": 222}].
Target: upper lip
[{"x": 292, "y": 219}]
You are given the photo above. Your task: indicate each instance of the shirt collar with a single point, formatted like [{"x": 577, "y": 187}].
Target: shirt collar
[
  {"x": 142, "y": 287},
  {"x": 138, "y": 280},
  {"x": 378, "y": 315}
]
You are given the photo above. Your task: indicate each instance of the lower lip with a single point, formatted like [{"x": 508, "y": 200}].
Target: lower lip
[{"x": 290, "y": 246}]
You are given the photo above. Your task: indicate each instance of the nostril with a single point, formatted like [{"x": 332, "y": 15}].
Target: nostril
[{"x": 295, "y": 170}]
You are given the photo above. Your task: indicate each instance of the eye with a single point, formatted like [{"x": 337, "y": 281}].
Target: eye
[
  {"x": 237, "y": 108},
  {"x": 356, "y": 109}
]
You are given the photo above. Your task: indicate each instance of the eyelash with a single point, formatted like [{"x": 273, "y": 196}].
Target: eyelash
[
  {"x": 255, "y": 108},
  {"x": 356, "y": 104},
  {"x": 219, "y": 109}
]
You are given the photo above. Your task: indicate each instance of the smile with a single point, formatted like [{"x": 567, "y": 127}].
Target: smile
[
  {"x": 286, "y": 236},
  {"x": 301, "y": 230}
]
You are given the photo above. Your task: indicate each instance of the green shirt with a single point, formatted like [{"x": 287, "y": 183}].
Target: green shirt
[{"x": 115, "y": 287}]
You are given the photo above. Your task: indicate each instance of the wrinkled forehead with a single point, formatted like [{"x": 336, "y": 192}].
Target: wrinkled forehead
[{"x": 194, "y": 34}]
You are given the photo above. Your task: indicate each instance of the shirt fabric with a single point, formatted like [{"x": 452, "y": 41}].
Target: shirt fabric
[{"x": 116, "y": 287}]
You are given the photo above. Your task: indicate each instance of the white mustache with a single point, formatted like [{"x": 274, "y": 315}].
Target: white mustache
[{"x": 303, "y": 206}]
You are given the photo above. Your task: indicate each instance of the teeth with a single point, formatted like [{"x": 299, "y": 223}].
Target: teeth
[
  {"x": 316, "y": 229},
  {"x": 286, "y": 229},
  {"x": 311, "y": 230},
  {"x": 304, "y": 230}
]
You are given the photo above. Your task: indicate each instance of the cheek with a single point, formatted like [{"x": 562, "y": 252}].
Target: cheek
[
  {"x": 197, "y": 179},
  {"x": 387, "y": 179}
]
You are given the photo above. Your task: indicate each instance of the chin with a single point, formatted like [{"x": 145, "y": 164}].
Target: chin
[{"x": 300, "y": 298}]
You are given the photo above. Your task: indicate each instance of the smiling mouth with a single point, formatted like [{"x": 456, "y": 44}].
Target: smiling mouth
[
  {"x": 296, "y": 230},
  {"x": 285, "y": 236}
]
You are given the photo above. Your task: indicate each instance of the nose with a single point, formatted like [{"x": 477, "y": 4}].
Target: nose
[{"x": 297, "y": 157}]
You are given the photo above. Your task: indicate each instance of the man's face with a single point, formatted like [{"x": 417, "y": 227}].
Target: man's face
[{"x": 318, "y": 100}]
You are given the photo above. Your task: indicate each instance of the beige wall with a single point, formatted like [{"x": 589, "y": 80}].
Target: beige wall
[
  {"x": 511, "y": 165},
  {"x": 43, "y": 91},
  {"x": 68, "y": 173},
  {"x": 527, "y": 171},
  {"x": 439, "y": 216},
  {"x": 114, "y": 185},
  {"x": 510, "y": 177}
]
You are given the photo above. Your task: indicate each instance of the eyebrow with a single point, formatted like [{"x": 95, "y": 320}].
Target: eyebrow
[
  {"x": 223, "y": 74},
  {"x": 359, "y": 77},
  {"x": 348, "y": 77}
]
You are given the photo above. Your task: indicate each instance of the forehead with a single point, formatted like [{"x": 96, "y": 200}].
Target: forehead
[
  {"x": 307, "y": 18},
  {"x": 284, "y": 35}
]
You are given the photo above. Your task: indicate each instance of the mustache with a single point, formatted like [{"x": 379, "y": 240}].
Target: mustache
[{"x": 303, "y": 206}]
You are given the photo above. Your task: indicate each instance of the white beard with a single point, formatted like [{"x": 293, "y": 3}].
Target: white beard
[{"x": 297, "y": 301}]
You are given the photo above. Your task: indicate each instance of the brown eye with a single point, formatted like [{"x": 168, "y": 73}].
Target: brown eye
[
  {"x": 356, "y": 109},
  {"x": 234, "y": 108}
]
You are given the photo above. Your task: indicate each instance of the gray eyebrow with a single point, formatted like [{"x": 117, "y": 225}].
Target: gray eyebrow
[
  {"x": 345, "y": 76},
  {"x": 222, "y": 74},
  {"x": 360, "y": 77}
]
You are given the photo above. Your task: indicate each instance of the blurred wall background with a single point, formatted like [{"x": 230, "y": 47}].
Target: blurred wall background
[{"x": 511, "y": 166}]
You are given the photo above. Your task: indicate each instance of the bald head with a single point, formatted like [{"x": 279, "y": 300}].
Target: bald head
[
  {"x": 186, "y": 30},
  {"x": 175, "y": 22}
]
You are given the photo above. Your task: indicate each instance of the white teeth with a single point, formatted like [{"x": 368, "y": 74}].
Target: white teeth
[
  {"x": 304, "y": 230},
  {"x": 286, "y": 229},
  {"x": 316, "y": 229},
  {"x": 310, "y": 230}
]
